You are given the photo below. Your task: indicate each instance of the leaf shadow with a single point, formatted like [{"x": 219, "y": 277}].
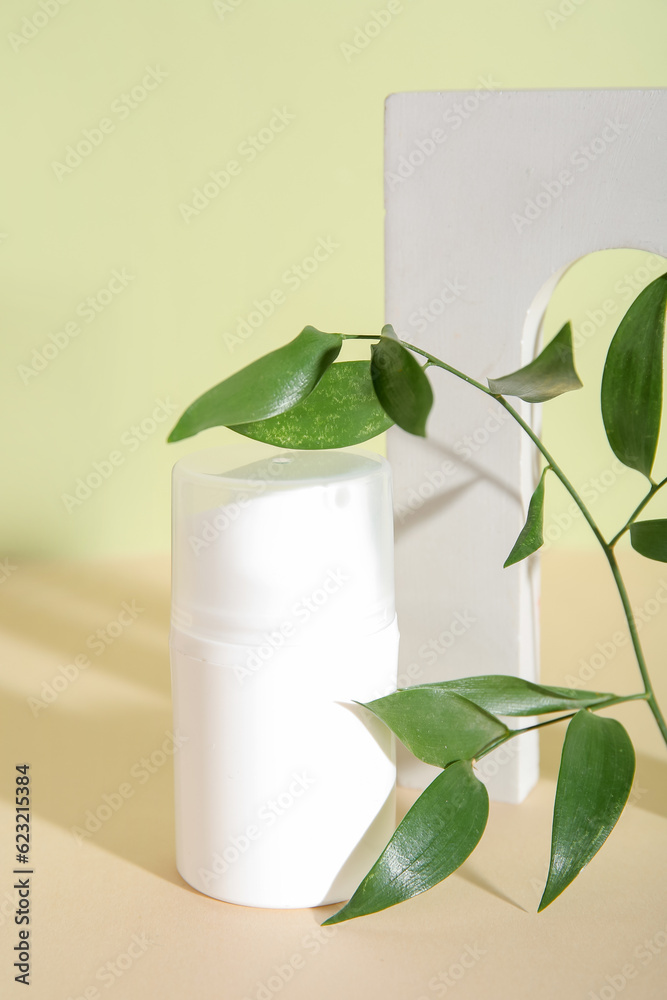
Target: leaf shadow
[
  {"x": 467, "y": 870},
  {"x": 468, "y": 874},
  {"x": 435, "y": 504}
]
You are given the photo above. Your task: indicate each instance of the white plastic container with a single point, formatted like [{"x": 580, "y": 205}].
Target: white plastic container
[{"x": 282, "y": 616}]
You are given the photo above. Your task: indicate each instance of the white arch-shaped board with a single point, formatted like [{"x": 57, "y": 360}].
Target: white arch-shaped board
[{"x": 490, "y": 197}]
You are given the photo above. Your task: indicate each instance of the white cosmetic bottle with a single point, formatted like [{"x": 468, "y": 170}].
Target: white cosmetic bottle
[{"x": 282, "y": 616}]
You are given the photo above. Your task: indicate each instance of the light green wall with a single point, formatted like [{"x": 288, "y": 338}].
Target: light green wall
[{"x": 218, "y": 76}]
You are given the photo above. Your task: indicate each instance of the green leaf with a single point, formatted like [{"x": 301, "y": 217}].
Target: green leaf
[
  {"x": 594, "y": 781},
  {"x": 437, "y": 725},
  {"x": 550, "y": 374},
  {"x": 504, "y": 695},
  {"x": 436, "y": 836},
  {"x": 530, "y": 538},
  {"x": 631, "y": 394},
  {"x": 388, "y": 331},
  {"x": 401, "y": 385},
  {"x": 342, "y": 410},
  {"x": 270, "y": 385},
  {"x": 649, "y": 538}
]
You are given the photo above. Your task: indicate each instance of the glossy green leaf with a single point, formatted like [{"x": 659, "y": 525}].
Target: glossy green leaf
[
  {"x": 342, "y": 410},
  {"x": 270, "y": 385},
  {"x": 530, "y": 538},
  {"x": 631, "y": 395},
  {"x": 649, "y": 538},
  {"x": 551, "y": 373},
  {"x": 388, "y": 331},
  {"x": 437, "y": 725},
  {"x": 436, "y": 836},
  {"x": 504, "y": 695},
  {"x": 594, "y": 781},
  {"x": 401, "y": 385}
]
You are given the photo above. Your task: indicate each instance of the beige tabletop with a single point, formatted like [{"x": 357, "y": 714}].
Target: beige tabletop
[{"x": 86, "y": 702}]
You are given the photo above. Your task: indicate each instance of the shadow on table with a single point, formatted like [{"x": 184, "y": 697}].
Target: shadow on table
[
  {"x": 649, "y": 790},
  {"x": 101, "y": 752},
  {"x": 101, "y": 748},
  {"x": 71, "y": 609},
  {"x": 467, "y": 871}
]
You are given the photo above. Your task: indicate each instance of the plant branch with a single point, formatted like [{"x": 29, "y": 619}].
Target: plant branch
[
  {"x": 607, "y": 547},
  {"x": 618, "y": 700},
  {"x": 526, "y": 427},
  {"x": 649, "y": 496},
  {"x": 556, "y": 469},
  {"x": 636, "y": 644}
]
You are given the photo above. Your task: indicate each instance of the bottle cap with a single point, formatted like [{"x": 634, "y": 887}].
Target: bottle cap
[{"x": 297, "y": 546}]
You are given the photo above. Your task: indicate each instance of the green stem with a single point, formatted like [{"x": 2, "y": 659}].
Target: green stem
[
  {"x": 556, "y": 469},
  {"x": 607, "y": 547},
  {"x": 637, "y": 511},
  {"x": 511, "y": 733},
  {"x": 529, "y": 431},
  {"x": 619, "y": 700},
  {"x": 636, "y": 644}
]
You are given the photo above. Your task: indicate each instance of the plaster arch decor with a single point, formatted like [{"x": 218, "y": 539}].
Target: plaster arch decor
[{"x": 490, "y": 197}]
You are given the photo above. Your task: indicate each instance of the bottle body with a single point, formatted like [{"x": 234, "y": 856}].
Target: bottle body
[
  {"x": 283, "y": 617},
  {"x": 284, "y": 787}
]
